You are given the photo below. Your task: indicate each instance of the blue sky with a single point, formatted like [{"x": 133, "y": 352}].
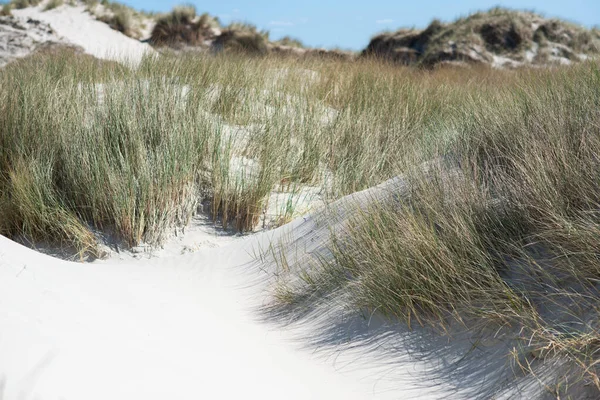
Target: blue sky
[{"x": 349, "y": 24}]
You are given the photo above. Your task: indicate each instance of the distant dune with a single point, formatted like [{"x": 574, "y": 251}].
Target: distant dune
[{"x": 499, "y": 37}]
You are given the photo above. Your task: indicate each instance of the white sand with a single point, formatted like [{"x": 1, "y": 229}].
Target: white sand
[
  {"x": 173, "y": 328},
  {"x": 147, "y": 331},
  {"x": 95, "y": 37},
  {"x": 179, "y": 327},
  {"x": 19, "y": 38},
  {"x": 189, "y": 327},
  {"x": 196, "y": 326}
]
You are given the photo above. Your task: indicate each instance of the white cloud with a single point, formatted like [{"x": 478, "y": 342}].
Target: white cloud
[
  {"x": 236, "y": 10},
  {"x": 281, "y": 23},
  {"x": 384, "y": 21}
]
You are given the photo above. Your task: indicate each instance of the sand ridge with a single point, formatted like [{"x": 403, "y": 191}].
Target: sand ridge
[{"x": 77, "y": 26}]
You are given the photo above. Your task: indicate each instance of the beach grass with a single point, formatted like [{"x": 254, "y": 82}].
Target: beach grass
[
  {"x": 500, "y": 233},
  {"x": 52, "y": 4},
  {"x": 91, "y": 147},
  {"x": 133, "y": 152}
]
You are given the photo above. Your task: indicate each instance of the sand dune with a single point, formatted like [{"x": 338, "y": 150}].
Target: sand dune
[
  {"x": 185, "y": 326},
  {"x": 166, "y": 325},
  {"x": 180, "y": 327},
  {"x": 82, "y": 29},
  {"x": 194, "y": 326}
]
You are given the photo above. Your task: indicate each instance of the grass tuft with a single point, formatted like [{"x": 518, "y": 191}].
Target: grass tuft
[
  {"x": 19, "y": 4},
  {"x": 6, "y": 10},
  {"x": 290, "y": 41},
  {"x": 52, "y": 4},
  {"x": 120, "y": 19},
  {"x": 181, "y": 27}
]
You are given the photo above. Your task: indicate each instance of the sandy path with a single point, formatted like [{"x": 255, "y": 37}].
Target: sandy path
[
  {"x": 178, "y": 328},
  {"x": 188, "y": 327},
  {"x": 140, "y": 331},
  {"x": 80, "y": 28},
  {"x": 194, "y": 326}
]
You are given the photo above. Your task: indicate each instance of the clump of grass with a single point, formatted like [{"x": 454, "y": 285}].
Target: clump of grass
[
  {"x": 243, "y": 37},
  {"x": 6, "y": 10},
  {"x": 142, "y": 143},
  {"x": 290, "y": 41},
  {"x": 244, "y": 26},
  {"x": 207, "y": 21},
  {"x": 19, "y": 4},
  {"x": 567, "y": 34},
  {"x": 120, "y": 19},
  {"x": 242, "y": 41},
  {"x": 508, "y": 241},
  {"x": 90, "y": 4},
  {"x": 52, "y": 4},
  {"x": 139, "y": 198},
  {"x": 181, "y": 27}
]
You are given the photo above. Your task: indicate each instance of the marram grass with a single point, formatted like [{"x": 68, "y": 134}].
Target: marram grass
[
  {"x": 89, "y": 147},
  {"x": 505, "y": 236},
  {"x": 132, "y": 152}
]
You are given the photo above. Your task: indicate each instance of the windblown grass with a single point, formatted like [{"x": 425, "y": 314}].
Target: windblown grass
[
  {"x": 508, "y": 239},
  {"x": 6, "y": 10},
  {"x": 144, "y": 144},
  {"x": 503, "y": 235},
  {"x": 52, "y": 4},
  {"x": 18, "y": 4},
  {"x": 182, "y": 27},
  {"x": 121, "y": 20},
  {"x": 353, "y": 125}
]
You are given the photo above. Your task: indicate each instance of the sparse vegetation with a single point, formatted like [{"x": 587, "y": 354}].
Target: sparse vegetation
[
  {"x": 289, "y": 41},
  {"x": 18, "y": 4},
  {"x": 120, "y": 18},
  {"x": 482, "y": 36},
  {"x": 53, "y": 4},
  {"x": 6, "y": 10},
  {"x": 182, "y": 27}
]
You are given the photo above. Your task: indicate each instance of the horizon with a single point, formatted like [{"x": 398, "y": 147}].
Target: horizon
[{"x": 351, "y": 25}]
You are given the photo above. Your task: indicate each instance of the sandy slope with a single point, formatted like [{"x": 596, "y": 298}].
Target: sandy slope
[
  {"x": 185, "y": 327},
  {"x": 20, "y": 38},
  {"x": 174, "y": 328},
  {"x": 82, "y": 29},
  {"x": 146, "y": 331},
  {"x": 194, "y": 326}
]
